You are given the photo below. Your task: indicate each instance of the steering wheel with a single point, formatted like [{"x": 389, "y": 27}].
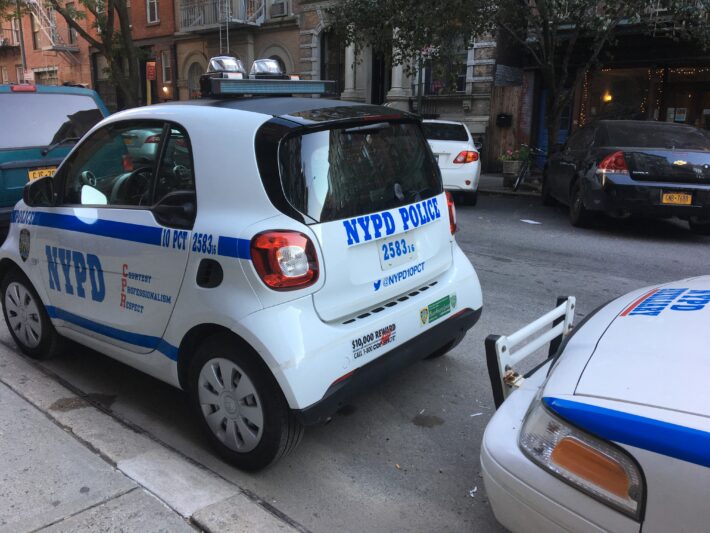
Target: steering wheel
[{"x": 132, "y": 188}]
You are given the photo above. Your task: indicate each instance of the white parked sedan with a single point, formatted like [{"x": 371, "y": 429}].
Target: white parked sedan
[
  {"x": 612, "y": 434},
  {"x": 457, "y": 156}
]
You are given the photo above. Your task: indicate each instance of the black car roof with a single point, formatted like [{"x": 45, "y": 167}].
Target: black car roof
[{"x": 303, "y": 110}]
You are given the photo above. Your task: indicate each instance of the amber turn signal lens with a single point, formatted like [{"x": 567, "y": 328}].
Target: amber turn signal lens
[{"x": 584, "y": 461}]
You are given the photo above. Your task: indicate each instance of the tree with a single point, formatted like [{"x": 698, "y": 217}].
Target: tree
[
  {"x": 562, "y": 38},
  {"x": 111, "y": 37}
]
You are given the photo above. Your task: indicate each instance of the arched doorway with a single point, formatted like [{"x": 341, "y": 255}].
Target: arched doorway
[{"x": 193, "y": 80}]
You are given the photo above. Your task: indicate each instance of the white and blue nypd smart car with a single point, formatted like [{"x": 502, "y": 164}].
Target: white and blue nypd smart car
[
  {"x": 612, "y": 433},
  {"x": 271, "y": 256}
]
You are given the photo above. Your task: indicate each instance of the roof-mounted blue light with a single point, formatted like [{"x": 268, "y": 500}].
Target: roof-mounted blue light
[{"x": 231, "y": 87}]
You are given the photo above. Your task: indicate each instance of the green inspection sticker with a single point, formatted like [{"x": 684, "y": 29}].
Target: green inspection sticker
[{"x": 437, "y": 309}]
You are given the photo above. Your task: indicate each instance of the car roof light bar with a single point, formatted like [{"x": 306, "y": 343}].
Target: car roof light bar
[{"x": 234, "y": 87}]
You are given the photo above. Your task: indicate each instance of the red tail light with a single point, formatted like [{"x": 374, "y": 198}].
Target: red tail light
[
  {"x": 152, "y": 139},
  {"x": 614, "y": 163},
  {"x": 24, "y": 88},
  {"x": 452, "y": 211},
  {"x": 466, "y": 156},
  {"x": 284, "y": 260}
]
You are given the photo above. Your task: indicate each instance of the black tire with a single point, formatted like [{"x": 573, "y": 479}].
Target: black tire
[
  {"x": 470, "y": 198},
  {"x": 545, "y": 195},
  {"x": 279, "y": 432},
  {"x": 579, "y": 215},
  {"x": 701, "y": 227},
  {"x": 34, "y": 333}
]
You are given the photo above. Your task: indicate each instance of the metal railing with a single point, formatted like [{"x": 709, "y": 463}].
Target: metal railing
[
  {"x": 195, "y": 15},
  {"x": 501, "y": 359}
]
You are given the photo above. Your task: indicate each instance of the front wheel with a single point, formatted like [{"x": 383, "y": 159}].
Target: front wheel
[
  {"x": 240, "y": 405},
  {"x": 522, "y": 176},
  {"x": 579, "y": 215},
  {"x": 27, "y": 319}
]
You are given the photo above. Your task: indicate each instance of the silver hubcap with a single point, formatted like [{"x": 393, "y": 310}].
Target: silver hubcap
[
  {"x": 230, "y": 405},
  {"x": 23, "y": 314}
]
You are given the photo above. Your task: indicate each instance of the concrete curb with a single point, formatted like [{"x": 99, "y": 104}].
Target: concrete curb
[
  {"x": 192, "y": 491},
  {"x": 501, "y": 192}
]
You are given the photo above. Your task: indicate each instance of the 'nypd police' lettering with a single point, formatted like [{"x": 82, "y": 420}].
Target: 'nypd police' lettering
[
  {"x": 76, "y": 268},
  {"x": 377, "y": 225}
]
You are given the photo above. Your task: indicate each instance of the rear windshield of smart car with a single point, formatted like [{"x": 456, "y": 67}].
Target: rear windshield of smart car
[
  {"x": 36, "y": 119},
  {"x": 444, "y": 132},
  {"x": 656, "y": 135},
  {"x": 346, "y": 172}
]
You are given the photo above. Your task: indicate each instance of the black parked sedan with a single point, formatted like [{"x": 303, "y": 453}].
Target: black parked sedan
[{"x": 623, "y": 167}]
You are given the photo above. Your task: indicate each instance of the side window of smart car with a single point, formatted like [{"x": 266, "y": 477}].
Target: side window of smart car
[
  {"x": 175, "y": 173},
  {"x": 115, "y": 166}
]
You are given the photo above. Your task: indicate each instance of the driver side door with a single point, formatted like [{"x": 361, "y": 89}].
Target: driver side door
[{"x": 112, "y": 270}]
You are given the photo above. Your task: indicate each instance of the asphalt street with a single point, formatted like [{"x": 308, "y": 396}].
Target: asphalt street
[{"x": 404, "y": 457}]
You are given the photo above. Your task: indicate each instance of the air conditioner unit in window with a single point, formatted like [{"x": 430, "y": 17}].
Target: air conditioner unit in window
[{"x": 279, "y": 9}]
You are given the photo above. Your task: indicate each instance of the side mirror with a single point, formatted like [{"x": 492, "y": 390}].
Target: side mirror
[
  {"x": 39, "y": 192},
  {"x": 478, "y": 145},
  {"x": 176, "y": 209}
]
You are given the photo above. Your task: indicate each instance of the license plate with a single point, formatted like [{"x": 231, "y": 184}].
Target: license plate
[
  {"x": 37, "y": 173},
  {"x": 396, "y": 251},
  {"x": 676, "y": 198}
]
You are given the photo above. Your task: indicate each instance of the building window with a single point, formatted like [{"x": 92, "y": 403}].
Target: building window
[
  {"x": 36, "y": 40},
  {"x": 3, "y": 75},
  {"x": 167, "y": 67},
  {"x": 15, "y": 31},
  {"x": 332, "y": 60},
  {"x": 152, "y": 11},
  {"x": 193, "y": 80},
  {"x": 49, "y": 76},
  {"x": 72, "y": 31},
  {"x": 19, "y": 71}
]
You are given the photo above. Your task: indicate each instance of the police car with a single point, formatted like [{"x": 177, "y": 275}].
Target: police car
[
  {"x": 274, "y": 258},
  {"x": 613, "y": 433}
]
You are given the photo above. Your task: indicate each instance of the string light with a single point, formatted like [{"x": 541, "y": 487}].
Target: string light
[{"x": 585, "y": 96}]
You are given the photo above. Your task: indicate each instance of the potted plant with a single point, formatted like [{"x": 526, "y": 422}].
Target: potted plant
[{"x": 512, "y": 161}]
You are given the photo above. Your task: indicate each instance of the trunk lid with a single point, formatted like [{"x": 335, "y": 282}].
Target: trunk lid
[
  {"x": 375, "y": 258},
  {"x": 372, "y": 195},
  {"x": 652, "y": 351},
  {"x": 679, "y": 166},
  {"x": 446, "y": 151}
]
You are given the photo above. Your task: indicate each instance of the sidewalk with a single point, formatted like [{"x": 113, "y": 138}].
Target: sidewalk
[
  {"x": 493, "y": 184},
  {"x": 68, "y": 466}
]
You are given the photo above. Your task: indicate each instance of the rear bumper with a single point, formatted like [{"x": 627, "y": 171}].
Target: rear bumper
[
  {"x": 451, "y": 330},
  {"x": 455, "y": 178},
  {"x": 621, "y": 193}
]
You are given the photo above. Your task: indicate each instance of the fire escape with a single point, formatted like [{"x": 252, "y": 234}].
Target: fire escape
[
  {"x": 221, "y": 15},
  {"x": 45, "y": 18}
]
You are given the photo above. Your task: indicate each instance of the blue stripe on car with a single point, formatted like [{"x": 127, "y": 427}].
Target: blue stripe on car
[
  {"x": 137, "y": 339},
  {"x": 226, "y": 246},
  {"x": 684, "y": 443}
]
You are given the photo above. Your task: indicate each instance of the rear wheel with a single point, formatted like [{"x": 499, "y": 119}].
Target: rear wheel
[
  {"x": 27, "y": 319},
  {"x": 240, "y": 406},
  {"x": 470, "y": 198},
  {"x": 579, "y": 215},
  {"x": 699, "y": 226}
]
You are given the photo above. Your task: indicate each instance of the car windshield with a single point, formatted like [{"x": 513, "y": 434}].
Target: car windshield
[
  {"x": 435, "y": 131},
  {"x": 346, "y": 172},
  {"x": 657, "y": 135},
  {"x": 38, "y": 119}
]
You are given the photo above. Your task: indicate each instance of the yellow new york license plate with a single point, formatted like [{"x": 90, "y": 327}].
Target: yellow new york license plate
[
  {"x": 676, "y": 198},
  {"x": 37, "y": 173}
]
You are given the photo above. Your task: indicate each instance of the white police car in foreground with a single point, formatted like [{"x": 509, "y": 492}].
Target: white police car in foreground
[
  {"x": 614, "y": 433},
  {"x": 276, "y": 256}
]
